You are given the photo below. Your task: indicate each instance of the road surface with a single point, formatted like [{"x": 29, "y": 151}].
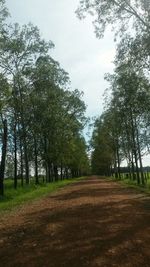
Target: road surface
[{"x": 91, "y": 223}]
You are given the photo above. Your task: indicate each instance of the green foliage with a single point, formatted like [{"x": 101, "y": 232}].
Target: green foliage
[
  {"x": 14, "y": 198},
  {"x": 122, "y": 16},
  {"x": 102, "y": 143},
  {"x": 122, "y": 132},
  {"x": 3, "y": 12},
  {"x": 133, "y": 184},
  {"x": 45, "y": 118}
]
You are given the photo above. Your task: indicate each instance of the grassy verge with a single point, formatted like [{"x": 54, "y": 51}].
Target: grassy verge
[
  {"x": 14, "y": 198},
  {"x": 133, "y": 184}
]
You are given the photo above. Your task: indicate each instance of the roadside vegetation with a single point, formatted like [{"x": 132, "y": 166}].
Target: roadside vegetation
[
  {"x": 133, "y": 183},
  {"x": 14, "y": 198},
  {"x": 122, "y": 133},
  {"x": 41, "y": 117}
]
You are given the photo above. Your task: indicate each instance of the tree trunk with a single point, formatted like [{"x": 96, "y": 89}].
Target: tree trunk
[
  {"x": 3, "y": 156},
  {"x": 134, "y": 147},
  {"x": 21, "y": 163},
  {"x": 46, "y": 169},
  {"x": 133, "y": 168},
  {"x": 140, "y": 158},
  {"x": 26, "y": 158},
  {"x": 66, "y": 173},
  {"x": 118, "y": 161},
  {"x": 36, "y": 161},
  {"x": 49, "y": 172},
  {"x": 24, "y": 134},
  {"x": 61, "y": 172},
  {"x": 15, "y": 156},
  {"x": 56, "y": 173}
]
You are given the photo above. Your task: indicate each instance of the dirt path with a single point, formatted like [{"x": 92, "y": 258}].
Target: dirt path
[{"x": 87, "y": 224}]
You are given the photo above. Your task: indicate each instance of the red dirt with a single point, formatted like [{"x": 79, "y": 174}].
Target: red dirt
[{"x": 90, "y": 223}]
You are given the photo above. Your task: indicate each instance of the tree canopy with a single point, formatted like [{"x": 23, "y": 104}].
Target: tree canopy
[
  {"x": 122, "y": 131},
  {"x": 42, "y": 118}
]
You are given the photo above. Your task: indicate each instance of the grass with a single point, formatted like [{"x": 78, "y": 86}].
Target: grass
[
  {"x": 133, "y": 184},
  {"x": 14, "y": 198}
]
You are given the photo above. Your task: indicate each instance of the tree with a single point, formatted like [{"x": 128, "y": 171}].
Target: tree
[
  {"x": 41, "y": 119},
  {"x": 4, "y": 93},
  {"x": 19, "y": 50},
  {"x": 130, "y": 93},
  {"x": 3, "y": 13},
  {"x": 103, "y": 154},
  {"x": 121, "y": 15}
]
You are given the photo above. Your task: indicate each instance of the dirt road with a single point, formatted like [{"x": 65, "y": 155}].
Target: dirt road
[{"x": 91, "y": 223}]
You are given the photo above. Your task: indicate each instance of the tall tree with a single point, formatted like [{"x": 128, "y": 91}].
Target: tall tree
[
  {"x": 121, "y": 15},
  {"x": 4, "y": 97},
  {"x": 19, "y": 49}
]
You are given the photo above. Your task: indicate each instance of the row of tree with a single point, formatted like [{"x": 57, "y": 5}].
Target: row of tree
[
  {"x": 41, "y": 120},
  {"x": 122, "y": 133}
]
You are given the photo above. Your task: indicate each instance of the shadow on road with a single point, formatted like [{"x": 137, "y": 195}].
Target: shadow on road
[{"x": 95, "y": 223}]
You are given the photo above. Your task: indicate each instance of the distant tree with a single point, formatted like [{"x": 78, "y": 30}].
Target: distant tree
[{"x": 103, "y": 155}]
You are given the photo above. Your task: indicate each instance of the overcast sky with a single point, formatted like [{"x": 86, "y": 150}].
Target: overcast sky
[{"x": 84, "y": 57}]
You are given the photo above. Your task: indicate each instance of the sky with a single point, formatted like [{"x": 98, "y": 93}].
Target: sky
[{"x": 77, "y": 49}]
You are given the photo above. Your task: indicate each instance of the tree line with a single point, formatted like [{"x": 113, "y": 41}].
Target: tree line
[
  {"x": 41, "y": 118},
  {"x": 122, "y": 132}
]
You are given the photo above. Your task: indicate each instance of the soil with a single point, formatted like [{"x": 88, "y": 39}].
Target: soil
[{"x": 91, "y": 223}]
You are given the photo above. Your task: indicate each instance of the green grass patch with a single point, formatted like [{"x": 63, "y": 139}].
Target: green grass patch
[
  {"x": 133, "y": 184},
  {"x": 14, "y": 198}
]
